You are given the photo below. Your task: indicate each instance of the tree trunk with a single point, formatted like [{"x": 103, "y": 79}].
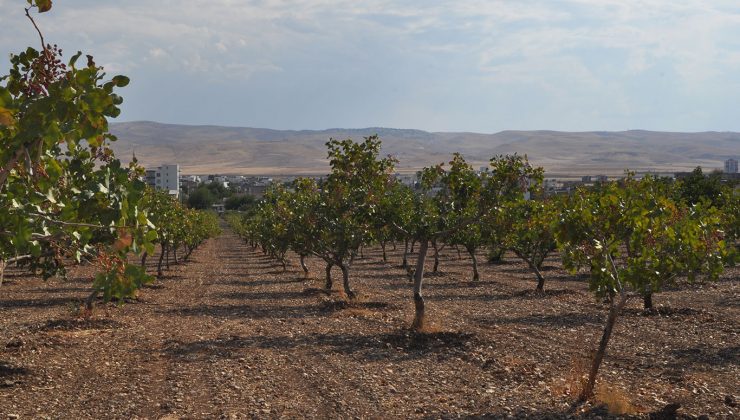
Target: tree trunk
[
  {"x": 3, "y": 264},
  {"x": 329, "y": 283},
  {"x": 405, "y": 262},
  {"x": 533, "y": 267},
  {"x": 471, "y": 251},
  {"x": 174, "y": 253},
  {"x": 167, "y": 257},
  {"x": 413, "y": 244},
  {"x": 614, "y": 310},
  {"x": 382, "y": 246},
  {"x": 282, "y": 262},
  {"x": 345, "y": 277},
  {"x": 459, "y": 254},
  {"x": 190, "y": 251},
  {"x": 647, "y": 301},
  {"x": 419, "y": 317},
  {"x": 143, "y": 259},
  {"x": 436, "y": 256},
  {"x": 303, "y": 265},
  {"x": 90, "y": 301},
  {"x": 496, "y": 255},
  {"x": 540, "y": 278},
  {"x": 540, "y": 281},
  {"x": 161, "y": 258},
  {"x": 394, "y": 245}
]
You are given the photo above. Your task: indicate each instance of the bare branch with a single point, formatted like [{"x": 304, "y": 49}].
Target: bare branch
[{"x": 41, "y": 36}]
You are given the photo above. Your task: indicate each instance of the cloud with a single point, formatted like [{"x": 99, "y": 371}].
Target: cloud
[{"x": 566, "y": 56}]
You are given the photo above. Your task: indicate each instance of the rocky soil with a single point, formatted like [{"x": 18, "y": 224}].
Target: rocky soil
[{"x": 230, "y": 335}]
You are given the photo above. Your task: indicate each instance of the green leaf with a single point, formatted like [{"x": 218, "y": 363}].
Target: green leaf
[
  {"x": 43, "y": 5},
  {"x": 151, "y": 236},
  {"x": 121, "y": 81}
]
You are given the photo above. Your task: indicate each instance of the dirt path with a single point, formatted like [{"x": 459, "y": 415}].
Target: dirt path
[{"x": 229, "y": 335}]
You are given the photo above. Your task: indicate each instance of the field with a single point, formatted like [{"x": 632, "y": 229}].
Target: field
[{"x": 230, "y": 335}]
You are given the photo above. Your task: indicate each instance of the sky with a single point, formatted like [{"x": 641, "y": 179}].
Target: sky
[{"x": 461, "y": 65}]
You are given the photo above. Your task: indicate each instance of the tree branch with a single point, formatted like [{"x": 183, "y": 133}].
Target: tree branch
[{"x": 41, "y": 36}]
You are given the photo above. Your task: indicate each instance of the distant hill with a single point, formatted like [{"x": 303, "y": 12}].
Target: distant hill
[{"x": 241, "y": 150}]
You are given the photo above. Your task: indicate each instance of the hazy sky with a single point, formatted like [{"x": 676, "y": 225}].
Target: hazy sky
[{"x": 461, "y": 65}]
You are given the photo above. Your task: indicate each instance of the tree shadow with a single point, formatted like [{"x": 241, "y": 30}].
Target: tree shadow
[
  {"x": 243, "y": 311},
  {"x": 665, "y": 311},
  {"x": 35, "y": 303},
  {"x": 78, "y": 324},
  {"x": 61, "y": 290},
  {"x": 261, "y": 295},
  {"x": 728, "y": 301},
  {"x": 8, "y": 371},
  {"x": 569, "y": 319},
  {"x": 393, "y": 346},
  {"x": 700, "y": 354},
  {"x": 255, "y": 283},
  {"x": 338, "y": 305},
  {"x": 518, "y": 413},
  {"x": 436, "y": 274},
  {"x": 536, "y": 294},
  {"x": 432, "y": 284}
]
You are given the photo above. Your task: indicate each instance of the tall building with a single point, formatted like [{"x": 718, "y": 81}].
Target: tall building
[
  {"x": 165, "y": 178},
  {"x": 731, "y": 166}
]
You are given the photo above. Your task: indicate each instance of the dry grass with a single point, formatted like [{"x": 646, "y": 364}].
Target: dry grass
[
  {"x": 575, "y": 381},
  {"x": 432, "y": 327},
  {"x": 616, "y": 401},
  {"x": 78, "y": 310}
]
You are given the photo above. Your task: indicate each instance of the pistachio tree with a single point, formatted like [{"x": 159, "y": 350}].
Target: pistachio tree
[
  {"x": 63, "y": 194},
  {"x": 635, "y": 240},
  {"x": 303, "y": 202},
  {"x": 350, "y": 201},
  {"x": 531, "y": 233}
]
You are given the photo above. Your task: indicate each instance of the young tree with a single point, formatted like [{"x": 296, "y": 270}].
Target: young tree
[
  {"x": 350, "y": 201},
  {"x": 634, "y": 239},
  {"x": 459, "y": 201},
  {"x": 304, "y": 203},
  {"x": 452, "y": 200},
  {"x": 532, "y": 235},
  {"x": 509, "y": 180}
]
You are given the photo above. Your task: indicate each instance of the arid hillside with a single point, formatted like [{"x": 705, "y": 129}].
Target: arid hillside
[{"x": 240, "y": 150}]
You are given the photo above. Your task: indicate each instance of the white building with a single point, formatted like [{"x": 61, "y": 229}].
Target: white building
[
  {"x": 165, "y": 178},
  {"x": 731, "y": 166}
]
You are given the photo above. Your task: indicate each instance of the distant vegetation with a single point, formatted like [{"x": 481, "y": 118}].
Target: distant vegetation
[{"x": 635, "y": 236}]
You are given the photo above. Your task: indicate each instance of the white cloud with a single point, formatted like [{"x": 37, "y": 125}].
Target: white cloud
[{"x": 574, "y": 51}]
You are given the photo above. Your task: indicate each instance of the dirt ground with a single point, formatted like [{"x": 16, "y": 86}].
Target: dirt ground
[{"x": 229, "y": 335}]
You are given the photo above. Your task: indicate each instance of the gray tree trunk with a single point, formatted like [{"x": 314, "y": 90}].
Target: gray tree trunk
[
  {"x": 419, "y": 316},
  {"x": 471, "y": 251},
  {"x": 161, "y": 259},
  {"x": 303, "y": 265},
  {"x": 345, "y": 278},
  {"x": 611, "y": 320},
  {"x": 329, "y": 283}
]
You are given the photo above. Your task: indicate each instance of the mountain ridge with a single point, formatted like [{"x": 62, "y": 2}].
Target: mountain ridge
[{"x": 201, "y": 149}]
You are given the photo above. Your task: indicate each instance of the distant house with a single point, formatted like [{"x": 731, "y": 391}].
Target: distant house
[
  {"x": 165, "y": 178},
  {"x": 258, "y": 191},
  {"x": 731, "y": 166}
]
